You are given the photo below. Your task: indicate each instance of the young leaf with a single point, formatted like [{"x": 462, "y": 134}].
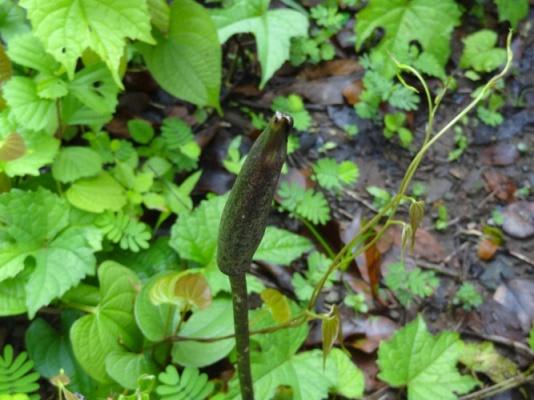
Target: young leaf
[
  {"x": 28, "y": 51},
  {"x": 125, "y": 368},
  {"x": 191, "y": 385},
  {"x": 76, "y": 162},
  {"x": 12, "y": 297},
  {"x": 279, "y": 246},
  {"x": 330, "y": 329},
  {"x": 97, "y": 194},
  {"x": 272, "y": 29},
  {"x": 15, "y": 375},
  {"x": 512, "y": 10},
  {"x": 187, "y": 62},
  {"x": 332, "y": 175},
  {"x": 12, "y": 147},
  {"x": 69, "y": 27},
  {"x": 427, "y": 22},
  {"x": 483, "y": 358},
  {"x": 277, "y": 303},
  {"x": 305, "y": 203},
  {"x": 424, "y": 363},
  {"x": 186, "y": 290},
  {"x": 140, "y": 130},
  {"x": 111, "y": 326},
  {"x": 480, "y": 52}
]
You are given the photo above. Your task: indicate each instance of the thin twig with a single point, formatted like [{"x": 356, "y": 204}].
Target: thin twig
[{"x": 500, "y": 387}]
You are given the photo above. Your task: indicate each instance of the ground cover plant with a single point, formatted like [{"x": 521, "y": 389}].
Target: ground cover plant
[{"x": 393, "y": 258}]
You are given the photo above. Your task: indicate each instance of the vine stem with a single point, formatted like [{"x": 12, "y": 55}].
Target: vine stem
[{"x": 240, "y": 302}]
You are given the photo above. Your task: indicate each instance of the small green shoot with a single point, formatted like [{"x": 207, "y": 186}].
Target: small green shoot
[
  {"x": 460, "y": 140},
  {"x": 407, "y": 285},
  {"x": 357, "y": 303},
  {"x": 442, "y": 220},
  {"x": 294, "y": 106},
  {"x": 468, "y": 297},
  {"x": 381, "y": 197},
  {"x": 333, "y": 176}
]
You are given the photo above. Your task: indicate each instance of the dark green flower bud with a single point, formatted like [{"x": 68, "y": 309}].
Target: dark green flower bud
[{"x": 245, "y": 215}]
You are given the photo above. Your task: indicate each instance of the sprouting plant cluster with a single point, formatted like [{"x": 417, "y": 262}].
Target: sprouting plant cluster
[{"x": 104, "y": 249}]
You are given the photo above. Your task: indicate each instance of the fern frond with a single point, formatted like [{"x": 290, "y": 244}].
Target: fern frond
[
  {"x": 123, "y": 229},
  {"x": 16, "y": 375},
  {"x": 192, "y": 385}
]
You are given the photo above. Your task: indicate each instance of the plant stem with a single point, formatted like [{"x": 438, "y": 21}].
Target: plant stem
[{"x": 240, "y": 302}]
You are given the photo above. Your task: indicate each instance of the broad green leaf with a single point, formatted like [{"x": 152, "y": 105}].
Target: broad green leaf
[
  {"x": 484, "y": 358},
  {"x": 76, "y": 162},
  {"x": 94, "y": 87},
  {"x": 347, "y": 380},
  {"x": 12, "y": 20},
  {"x": 187, "y": 62},
  {"x": 50, "y": 86},
  {"x": 97, "y": 194},
  {"x": 424, "y": 363},
  {"x": 12, "y": 147},
  {"x": 28, "y": 51},
  {"x": 125, "y": 368},
  {"x": 279, "y": 246},
  {"x": 480, "y": 52},
  {"x": 27, "y": 108},
  {"x": 156, "y": 322},
  {"x": 41, "y": 149},
  {"x": 512, "y": 10},
  {"x": 32, "y": 224},
  {"x": 12, "y": 297},
  {"x": 51, "y": 351},
  {"x": 426, "y": 22},
  {"x": 68, "y": 27},
  {"x": 273, "y": 30},
  {"x": 74, "y": 112},
  {"x": 159, "y": 13},
  {"x": 216, "y": 320},
  {"x": 111, "y": 326}
]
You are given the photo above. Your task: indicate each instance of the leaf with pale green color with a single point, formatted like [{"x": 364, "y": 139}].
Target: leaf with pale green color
[
  {"x": 40, "y": 151},
  {"x": 277, "y": 304},
  {"x": 187, "y": 290},
  {"x": 94, "y": 87},
  {"x": 484, "y": 358},
  {"x": 50, "y": 86},
  {"x": 140, "y": 130},
  {"x": 155, "y": 321},
  {"x": 190, "y": 385},
  {"x": 187, "y": 62},
  {"x": 76, "y": 162},
  {"x": 12, "y": 297},
  {"x": 480, "y": 52},
  {"x": 74, "y": 112},
  {"x": 27, "y": 108},
  {"x": 68, "y": 27},
  {"x": 279, "y": 246},
  {"x": 216, "y": 320},
  {"x": 512, "y": 10},
  {"x": 159, "y": 14},
  {"x": 330, "y": 329},
  {"x": 427, "y": 22},
  {"x": 12, "y": 20},
  {"x": 97, "y": 194},
  {"x": 125, "y": 368},
  {"x": 28, "y": 51},
  {"x": 110, "y": 326},
  {"x": 32, "y": 224},
  {"x": 273, "y": 30},
  {"x": 51, "y": 351},
  {"x": 424, "y": 363}
]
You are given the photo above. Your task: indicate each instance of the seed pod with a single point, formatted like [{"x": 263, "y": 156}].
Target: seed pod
[{"x": 245, "y": 215}]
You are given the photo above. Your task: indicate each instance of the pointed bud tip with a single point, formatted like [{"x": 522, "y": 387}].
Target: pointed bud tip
[{"x": 281, "y": 118}]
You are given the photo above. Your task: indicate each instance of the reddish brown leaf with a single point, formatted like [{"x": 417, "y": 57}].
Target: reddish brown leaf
[
  {"x": 501, "y": 185},
  {"x": 352, "y": 92},
  {"x": 486, "y": 249},
  {"x": 330, "y": 68}
]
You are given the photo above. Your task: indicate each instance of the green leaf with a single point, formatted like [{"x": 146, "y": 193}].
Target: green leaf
[
  {"x": 12, "y": 20},
  {"x": 480, "y": 52},
  {"x": 191, "y": 385},
  {"x": 330, "y": 328},
  {"x": 155, "y": 321},
  {"x": 304, "y": 203},
  {"x": 125, "y": 368},
  {"x": 531, "y": 338},
  {"x": 426, "y": 22},
  {"x": 28, "y": 51},
  {"x": 111, "y": 326},
  {"x": 272, "y": 29},
  {"x": 424, "y": 363},
  {"x": 97, "y": 194},
  {"x": 294, "y": 106},
  {"x": 32, "y": 224},
  {"x": 512, "y": 10},
  {"x": 40, "y": 151},
  {"x": 74, "y": 112},
  {"x": 187, "y": 62},
  {"x": 12, "y": 297},
  {"x": 51, "y": 351},
  {"x": 68, "y": 27},
  {"x": 94, "y": 87},
  {"x": 332, "y": 175},
  {"x": 278, "y": 305},
  {"x": 216, "y": 320},
  {"x": 27, "y": 108},
  {"x": 76, "y": 162},
  {"x": 279, "y": 246},
  {"x": 159, "y": 14},
  {"x": 140, "y": 130},
  {"x": 16, "y": 373}
]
